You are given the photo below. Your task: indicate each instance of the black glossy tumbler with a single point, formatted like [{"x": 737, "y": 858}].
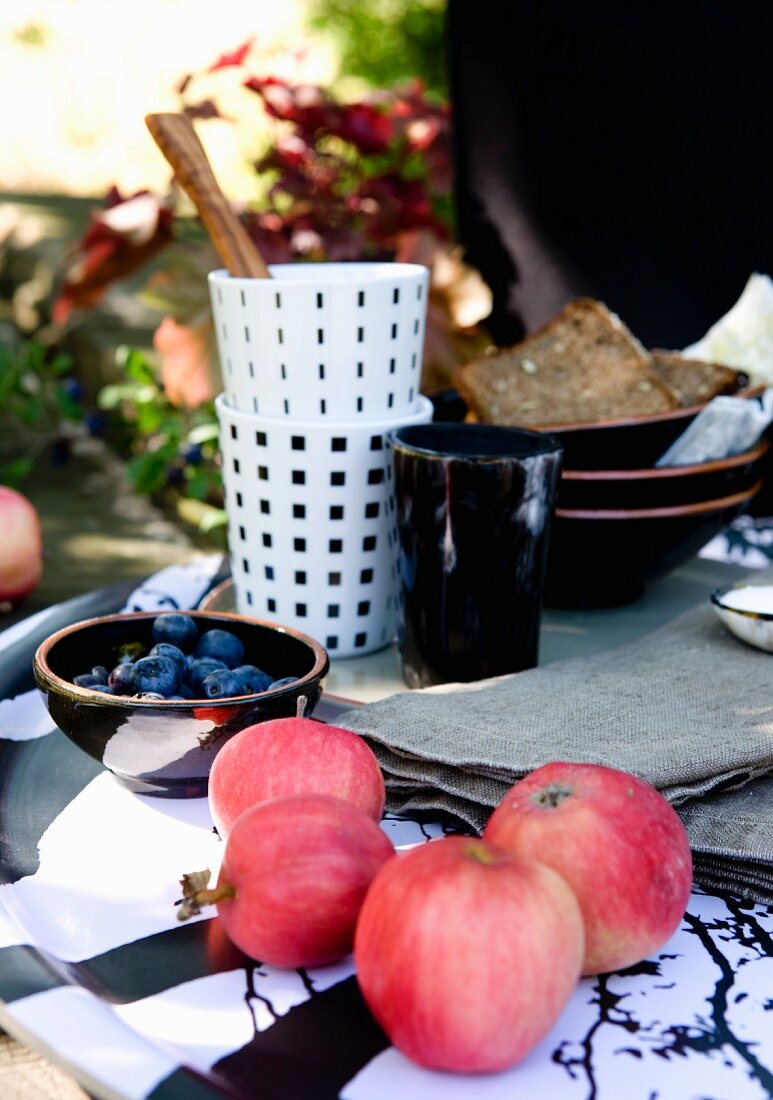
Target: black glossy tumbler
[{"x": 473, "y": 513}]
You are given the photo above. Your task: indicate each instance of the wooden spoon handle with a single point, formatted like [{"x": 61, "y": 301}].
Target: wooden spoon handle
[{"x": 176, "y": 138}]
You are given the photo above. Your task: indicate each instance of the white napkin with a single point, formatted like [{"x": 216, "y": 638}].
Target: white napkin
[
  {"x": 743, "y": 338},
  {"x": 726, "y": 426}
]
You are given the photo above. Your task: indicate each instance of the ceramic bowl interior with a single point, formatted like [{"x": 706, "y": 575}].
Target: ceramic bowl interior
[
  {"x": 655, "y": 487},
  {"x": 602, "y": 558},
  {"x": 747, "y": 611},
  {"x": 164, "y": 747}
]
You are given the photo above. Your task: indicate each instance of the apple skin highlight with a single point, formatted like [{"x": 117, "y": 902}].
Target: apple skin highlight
[
  {"x": 294, "y": 875},
  {"x": 618, "y": 844},
  {"x": 21, "y": 547},
  {"x": 293, "y": 756},
  {"x": 467, "y": 955}
]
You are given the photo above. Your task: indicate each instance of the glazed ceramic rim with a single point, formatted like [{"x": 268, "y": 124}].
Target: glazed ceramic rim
[
  {"x": 653, "y": 418},
  {"x": 675, "y": 510},
  {"x": 324, "y": 427},
  {"x": 48, "y": 679},
  {"x": 658, "y": 472},
  {"x": 331, "y": 273},
  {"x": 545, "y": 444},
  {"x": 719, "y": 593}
]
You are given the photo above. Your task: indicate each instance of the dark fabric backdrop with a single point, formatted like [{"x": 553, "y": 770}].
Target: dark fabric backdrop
[{"x": 621, "y": 150}]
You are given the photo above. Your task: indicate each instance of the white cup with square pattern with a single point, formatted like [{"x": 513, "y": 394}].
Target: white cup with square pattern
[
  {"x": 324, "y": 341},
  {"x": 311, "y": 523}
]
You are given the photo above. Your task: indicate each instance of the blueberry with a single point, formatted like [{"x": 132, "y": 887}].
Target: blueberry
[
  {"x": 223, "y": 645},
  {"x": 101, "y": 673},
  {"x": 184, "y": 692},
  {"x": 284, "y": 682},
  {"x": 174, "y": 653},
  {"x": 86, "y": 680},
  {"x": 96, "y": 423},
  {"x": 252, "y": 679},
  {"x": 222, "y": 684},
  {"x": 72, "y": 388},
  {"x": 179, "y": 630},
  {"x": 149, "y": 695},
  {"x": 104, "y": 688},
  {"x": 155, "y": 674},
  {"x": 122, "y": 678},
  {"x": 192, "y": 454},
  {"x": 198, "y": 669}
]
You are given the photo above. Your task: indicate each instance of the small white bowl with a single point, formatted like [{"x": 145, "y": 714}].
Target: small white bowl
[{"x": 747, "y": 610}]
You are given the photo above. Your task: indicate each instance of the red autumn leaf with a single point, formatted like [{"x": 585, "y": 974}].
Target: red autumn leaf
[
  {"x": 233, "y": 59},
  {"x": 120, "y": 239},
  {"x": 291, "y": 152},
  {"x": 187, "y": 371},
  {"x": 399, "y": 205},
  {"x": 271, "y": 234},
  {"x": 303, "y": 104},
  {"x": 367, "y": 128}
]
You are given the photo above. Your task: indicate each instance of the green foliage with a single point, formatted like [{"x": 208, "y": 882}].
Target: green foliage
[
  {"x": 168, "y": 447},
  {"x": 387, "y": 42},
  {"x": 14, "y": 472},
  {"x": 37, "y": 398}
]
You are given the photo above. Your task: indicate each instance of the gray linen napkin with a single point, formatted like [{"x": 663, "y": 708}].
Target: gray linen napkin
[{"x": 688, "y": 708}]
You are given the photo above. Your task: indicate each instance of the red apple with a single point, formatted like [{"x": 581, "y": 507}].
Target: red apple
[
  {"x": 466, "y": 955},
  {"x": 616, "y": 841},
  {"x": 293, "y": 756},
  {"x": 294, "y": 875},
  {"x": 21, "y": 546}
]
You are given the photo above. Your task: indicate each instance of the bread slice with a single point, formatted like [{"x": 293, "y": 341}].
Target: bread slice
[
  {"x": 581, "y": 367},
  {"x": 693, "y": 381}
]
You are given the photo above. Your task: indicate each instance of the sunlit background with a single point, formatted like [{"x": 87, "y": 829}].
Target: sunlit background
[
  {"x": 77, "y": 76},
  {"x": 328, "y": 125}
]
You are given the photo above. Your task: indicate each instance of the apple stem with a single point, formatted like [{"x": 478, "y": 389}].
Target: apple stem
[
  {"x": 550, "y": 797},
  {"x": 196, "y": 893}
]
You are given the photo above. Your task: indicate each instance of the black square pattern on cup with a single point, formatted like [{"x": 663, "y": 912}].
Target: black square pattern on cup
[{"x": 315, "y": 528}]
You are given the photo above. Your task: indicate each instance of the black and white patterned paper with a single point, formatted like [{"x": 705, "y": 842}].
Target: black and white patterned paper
[{"x": 94, "y": 965}]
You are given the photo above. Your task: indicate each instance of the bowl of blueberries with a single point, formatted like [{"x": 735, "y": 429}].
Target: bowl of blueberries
[{"x": 153, "y": 696}]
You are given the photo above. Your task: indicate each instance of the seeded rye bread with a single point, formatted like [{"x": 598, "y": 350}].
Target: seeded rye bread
[
  {"x": 693, "y": 381},
  {"x": 581, "y": 367}
]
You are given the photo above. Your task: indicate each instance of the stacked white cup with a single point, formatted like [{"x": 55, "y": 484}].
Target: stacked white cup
[{"x": 320, "y": 363}]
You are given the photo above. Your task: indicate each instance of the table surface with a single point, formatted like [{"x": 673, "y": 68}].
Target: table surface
[{"x": 565, "y": 634}]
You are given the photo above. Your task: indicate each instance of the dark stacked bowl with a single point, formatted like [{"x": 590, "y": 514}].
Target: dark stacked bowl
[{"x": 620, "y": 521}]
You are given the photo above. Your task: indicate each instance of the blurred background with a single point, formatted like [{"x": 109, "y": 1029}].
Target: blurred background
[
  {"x": 328, "y": 126},
  {"x": 585, "y": 155}
]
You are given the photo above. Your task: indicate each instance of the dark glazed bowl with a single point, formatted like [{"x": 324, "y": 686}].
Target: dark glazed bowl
[
  {"x": 661, "y": 486},
  {"x": 602, "y": 558},
  {"x": 166, "y": 748},
  {"x": 626, "y": 444}
]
